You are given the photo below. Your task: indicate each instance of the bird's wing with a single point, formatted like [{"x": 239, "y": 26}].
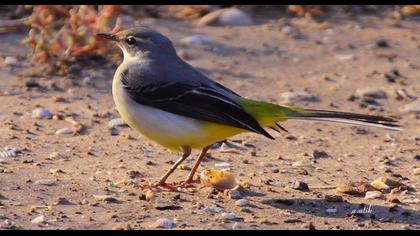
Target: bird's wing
[{"x": 194, "y": 100}]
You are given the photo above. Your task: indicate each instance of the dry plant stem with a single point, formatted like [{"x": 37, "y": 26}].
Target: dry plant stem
[{"x": 13, "y": 25}]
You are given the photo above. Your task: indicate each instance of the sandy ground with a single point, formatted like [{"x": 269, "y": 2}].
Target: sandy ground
[{"x": 260, "y": 62}]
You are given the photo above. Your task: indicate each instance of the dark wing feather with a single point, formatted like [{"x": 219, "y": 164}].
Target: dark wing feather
[{"x": 197, "y": 101}]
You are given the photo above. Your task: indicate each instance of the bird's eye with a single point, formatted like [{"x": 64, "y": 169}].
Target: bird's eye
[{"x": 130, "y": 40}]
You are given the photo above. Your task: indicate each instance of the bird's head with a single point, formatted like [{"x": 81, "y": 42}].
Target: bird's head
[{"x": 141, "y": 41}]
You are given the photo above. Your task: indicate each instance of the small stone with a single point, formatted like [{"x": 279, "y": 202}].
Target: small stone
[
  {"x": 373, "y": 194},
  {"x": 47, "y": 182},
  {"x": 320, "y": 154},
  {"x": 300, "y": 185},
  {"x": 298, "y": 97},
  {"x": 41, "y": 113},
  {"x": 62, "y": 201},
  {"x": 234, "y": 16},
  {"x": 212, "y": 209},
  {"x": 416, "y": 171},
  {"x": 384, "y": 183},
  {"x": 382, "y": 43},
  {"x": 64, "y": 131},
  {"x": 242, "y": 202},
  {"x": 118, "y": 122},
  {"x": 229, "y": 215},
  {"x": 222, "y": 165},
  {"x": 11, "y": 61},
  {"x": 105, "y": 198},
  {"x": 38, "y": 220},
  {"x": 195, "y": 40},
  {"x": 163, "y": 223},
  {"x": 234, "y": 194},
  {"x": 58, "y": 155},
  {"x": 297, "y": 164},
  {"x": 417, "y": 157},
  {"x": 371, "y": 93},
  {"x": 165, "y": 205}
]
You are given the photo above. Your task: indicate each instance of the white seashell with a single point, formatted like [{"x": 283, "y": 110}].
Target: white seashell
[
  {"x": 116, "y": 122},
  {"x": 11, "y": 61},
  {"x": 38, "y": 220},
  {"x": 64, "y": 131},
  {"x": 40, "y": 113},
  {"x": 47, "y": 182},
  {"x": 212, "y": 209},
  {"x": 228, "y": 215},
  {"x": 242, "y": 202},
  {"x": 372, "y": 194},
  {"x": 222, "y": 165},
  {"x": 6, "y": 154}
]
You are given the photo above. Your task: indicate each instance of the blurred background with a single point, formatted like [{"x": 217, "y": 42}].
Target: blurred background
[{"x": 60, "y": 35}]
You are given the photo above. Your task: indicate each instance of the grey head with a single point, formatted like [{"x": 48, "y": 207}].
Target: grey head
[{"x": 141, "y": 41}]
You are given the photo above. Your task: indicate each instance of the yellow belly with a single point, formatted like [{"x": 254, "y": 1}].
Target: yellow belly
[{"x": 170, "y": 130}]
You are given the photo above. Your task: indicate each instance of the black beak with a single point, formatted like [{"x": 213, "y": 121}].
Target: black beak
[{"x": 107, "y": 36}]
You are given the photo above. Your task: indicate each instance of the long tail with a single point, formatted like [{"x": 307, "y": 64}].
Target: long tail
[
  {"x": 347, "y": 117},
  {"x": 268, "y": 115}
]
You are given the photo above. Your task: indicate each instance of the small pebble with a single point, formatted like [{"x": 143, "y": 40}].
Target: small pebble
[
  {"x": 320, "y": 154},
  {"x": 298, "y": 97},
  {"x": 300, "y": 185},
  {"x": 195, "y": 39},
  {"x": 234, "y": 194},
  {"x": 228, "y": 215},
  {"x": 234, "y": 16},
  {"x": 64, "y": 131},
  {"x": 11, "y": 61},
  {"x": 222, "y": 165},
  {"x": 242, "y": 202},
  {"x": 163, "y": 223},
  {"x": 47, "y": 182},
  {"x": 382, "y": 43},
  {"x": 373, "y": 194},
  {"x": 118, "y": 122},
  {"x": 38, "y": 220},
  {"x": 41, "y": 113},
  {"x": 212, "y": 209},
  {"x": 106, "y": 198},
  {"x": 416, "y": 171},
  {"x": 371, "y": 93}
]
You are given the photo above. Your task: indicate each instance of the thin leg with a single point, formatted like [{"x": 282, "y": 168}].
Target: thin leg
[
  {"x": 187, "y": 152},
  {"x": 190, "y": 177}
]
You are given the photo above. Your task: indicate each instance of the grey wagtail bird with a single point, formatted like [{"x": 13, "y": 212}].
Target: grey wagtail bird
[{"x": 168, "y": 101}]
